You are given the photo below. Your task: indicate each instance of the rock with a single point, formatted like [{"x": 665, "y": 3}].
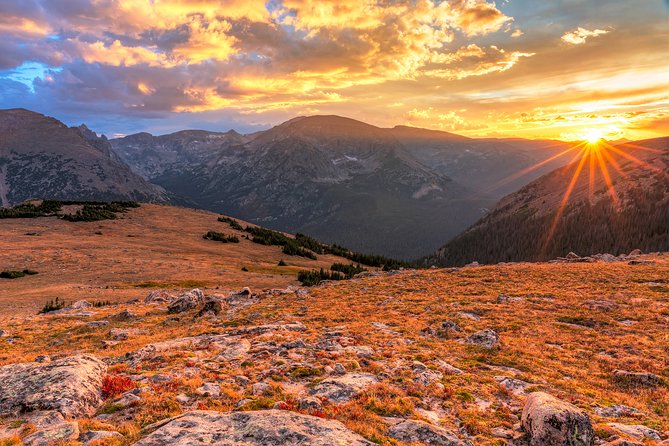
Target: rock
[
  {"x": 362, "y": 351},
  {"x": 343, "y": 388},
  {"x": 4, "y": 333},
  {"x": 80, "y": 305},
  {"x": 413, "y": 431},
  {"x": 260, "y": 388},
  {"x": 45, "y": 418},
  {"x": 550, "y": 421},
  {"x": 636, "y": 431},
  {"x": 212, "y": 306},
  {"x": 485, "y": 338},
  {"x": 244, "y": 292},
  {"x": 70, "y": 385},
  {"x": 257, "y": 428},
  {"x": 616, "y": 411},
  {"x": 56, "y": 434},
  {"x": 425, "y": 376},
  {"x": 128, "y": 399},
  {"x": 636, "y": 252},
  {"x": 98, "y": 324},
  {"x": 122, "y": 334},
  {"x": 622, "y": 442},
  {"x": 158, "y": 296},
  {"x": 473, "y": 264},
  {"x": 209, "y": 389},
  {"x": 43, "y": 359},
  {"x": 309, "y": 403},
  {"x": 572, "y": 256},
  {"x": 186, "y": 302},
  {"x": 515, "y": 386},
  {"x": 339, "y": 369},
  {"x": 234, "y": 351},
  {"x": 124, "y": 315},
  {"x": 503, "y": 298},
  {"x": 447, "y": 368},
  {"x": 262, "y": 329},
  {"x": 626, "y": 378},
  {"x": 97, "y": 437},
  {"x": 182, "y": 398},
  {"x": 157, "y": 379}
]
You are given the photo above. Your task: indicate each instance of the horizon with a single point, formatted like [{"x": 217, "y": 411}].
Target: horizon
[{"x": 507, "y": 69}]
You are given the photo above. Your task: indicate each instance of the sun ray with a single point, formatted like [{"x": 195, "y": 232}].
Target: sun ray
[
  {"x": 607, "y": 179},
  {"x": 637, "y": 146},
  {"x": 632, "y": 158},
  {"x": 515, "y": 176},
  {"x": 565, "y": 199},
  {"x": 593, "y": 148},
  {"x": 611, "y": 160}
]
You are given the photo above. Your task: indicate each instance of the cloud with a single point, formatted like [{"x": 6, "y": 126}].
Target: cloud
[{"x": 580, "y": 35}]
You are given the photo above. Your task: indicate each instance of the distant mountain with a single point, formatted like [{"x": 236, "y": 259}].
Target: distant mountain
[
  {"x": 388, "y": 191},
  {"x": 528, "y": 224},
  {"x": 41, "y": 157}
]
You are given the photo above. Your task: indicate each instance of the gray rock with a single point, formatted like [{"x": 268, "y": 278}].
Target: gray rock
[
  {"x": 413, "y": 431},
  {"x": 124, "y": 315},
  {"x": 70, "y": 385},
  {"x": 260, "y": 388},
  {"x": 309, "y": 403},
  {"x": 234, "y": 351},
  {"x": 339, "y": 369},
  {"x": 128, "y": 399},
  {"x": 485, "y": 338},
  {"x": 343, "y": 388},
  {"x": 4, "y": 333},
  {"x": 515, "y": 386},
  {"x": 45, "y": 418},
  {"x": 552, "y": 422},
  {"x": 258, "y": 428},
  {"x": 187, "y": 301},
  {"x": 158, "y": 296},
  {"x": 209, "y": 389},
  {"x": 262, "y": 329},
  {"x": 636, "y": 431},
  {"x": 212, "y": 305},
  {"x": 80, "y": 305},
  {"x": 616, "y": 411},
  {"x": 58, "y": 433},
  {"x": 99, "y": 436},
  {"x": 362, "y": 351},
  {"x": 182, "y": 398},
  {"x": 643, "y": 379},
  {"x": 98, "y": 324},
  {"x": 622, "y": 442}
]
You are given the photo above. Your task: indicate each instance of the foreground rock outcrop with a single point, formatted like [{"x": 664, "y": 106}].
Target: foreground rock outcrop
[
  {"x": 552, "y": 422},
  {"x": 262, "y": 428},
  {"x": 70, "y": 386}
]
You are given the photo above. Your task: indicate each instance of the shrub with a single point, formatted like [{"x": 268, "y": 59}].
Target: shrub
[
  {"x": 348, "y": 270},
  {"x": 53, "y": 305},
  {"x": 310, "y": 278},
  {"x": 292, "y": 249},
  {"x": 17, "y": 274},
  {"x": 245, "y": 269},
  {"x": 233, "y": 223},
  {"x": 115, "y": 385},
  {"x": 220, "y": 237},
  {"x": 282, "y": 263}
]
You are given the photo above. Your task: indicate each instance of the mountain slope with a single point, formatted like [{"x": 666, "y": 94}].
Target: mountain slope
[
  {"x": 390, "y": 191},
  {"x": 528, "y": 224},
  {"x": 40, "y": 157}
]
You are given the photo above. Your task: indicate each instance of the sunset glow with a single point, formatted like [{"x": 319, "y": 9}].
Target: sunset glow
[{"x": 520, "y": 68}]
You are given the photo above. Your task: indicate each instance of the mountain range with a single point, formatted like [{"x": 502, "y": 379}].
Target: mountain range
[{"x": 401, "y": 192}]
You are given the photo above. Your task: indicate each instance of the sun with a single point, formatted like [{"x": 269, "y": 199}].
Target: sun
[{"x": 593, "y": 136}]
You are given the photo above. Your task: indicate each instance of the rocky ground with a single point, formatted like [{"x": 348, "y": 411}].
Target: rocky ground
[{"x": 566, "y": 353}]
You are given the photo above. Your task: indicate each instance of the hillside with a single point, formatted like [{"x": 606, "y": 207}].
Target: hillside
[
  {"x": 597, "y": 218},
  {"x": 150, "y": 247},
  {"x": 470, "y": 356},
  {"x": 389, "y": 191},
  {"x": 40, "y": 157}
]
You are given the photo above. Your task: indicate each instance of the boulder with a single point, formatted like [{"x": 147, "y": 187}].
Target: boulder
[
  {"x": 634, "y": 253},
  {"x": 643, "y": 379},
  {"x": 261, "y": 428},
  {"x": 413, "y": 431},
  {"x": 343, "y": 388},
  {"x": 158, "y": 296},
  {"x": 619, "y": 410},
  {"x": 513, "y": 385},
  {"x": 99, "y": 437},
  {"x": 187, "y": 301},
  {"x": 55, "y": 434},
  {"x": 70, "y": 386},
  {"x": 552, "y": 422},
  {"x": 212, "y": 305},
  {"x": 636, "y": 431},
  {"x": 209, "y": 389},
  {"x": 485, "y": 338}
]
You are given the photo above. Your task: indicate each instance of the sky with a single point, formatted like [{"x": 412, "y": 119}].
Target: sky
[{"x": 563, "y": 69}]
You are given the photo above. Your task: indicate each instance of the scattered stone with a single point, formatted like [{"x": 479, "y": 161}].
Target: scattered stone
[
  {"x": 159, "y": 296},
  {"x": 260, "y": 388},
  {"x": 58, "y": 433},
  {"x": 122, "y": 334},
  {"x": 157, "y": 379},
  {"x": 4, "y": 333},
  {"x": 80, "y": 305},
  {"x": 256, "y": 428},
  {"x": 622, "y": 442},
  {"x": 503, "y": 298},
  {"x": 636, "y": 431},
  {"x": 343, "y": 388},
  {"x": 515, "y": 386},
  {"x": 234, "y": 351},
  {"x": 98, "y": 324},
  {"x": 45, "y": 418},
  {"x": 485, "y": 338},
  {"x": 447, "y": 368},
  {"x": 182, "y": 398},
  {"x": 425, "y": 376},
  {"x": 414, "y": 431},
  {"x": 572, "y": 256},
  {"x": 128, "y": 399},
  {"x": 362, "y": 351},
  {"x": 96, "y": 437},
  {"x": 262, "y": 329},
  {"x": 186, "y": 302},
  {"x": 209, "y": 389},
  {"x": 310, "y": 404},
  {"x": 70, "y": 386},
  {"x": 634, "y": 253},
  {"x": 212, "y": 306},
  {"x": 339, "y": 369},
  {"x": 644, "y": 379},
  {"x": 550, "y": 421},
  {"x": 617, "y": 411},
  {"x": 124, "y": 315},
  {"x": 473, "y": 264},
  {"x": 43, "y": 359}
]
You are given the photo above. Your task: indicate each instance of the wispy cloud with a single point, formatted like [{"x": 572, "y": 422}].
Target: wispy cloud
[{"x": 580, "y": 35}]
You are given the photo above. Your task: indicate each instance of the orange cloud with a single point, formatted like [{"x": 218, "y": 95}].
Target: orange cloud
[{"x": 580, "y": 35}]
